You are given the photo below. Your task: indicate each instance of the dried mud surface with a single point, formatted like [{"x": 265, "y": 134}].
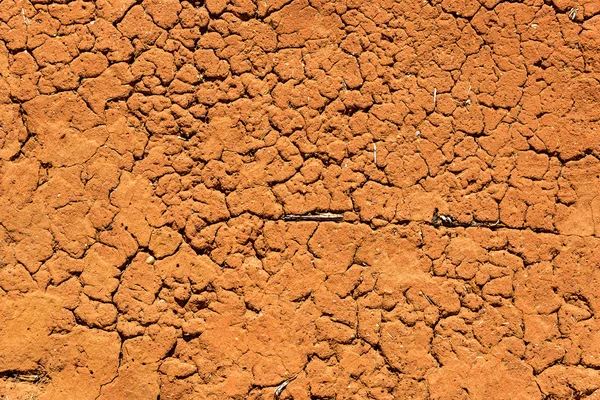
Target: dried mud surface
[{"x": 152, "y": 153}]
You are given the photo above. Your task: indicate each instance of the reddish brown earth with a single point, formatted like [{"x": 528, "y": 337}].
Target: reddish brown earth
[{"x": 152, "y": 152}]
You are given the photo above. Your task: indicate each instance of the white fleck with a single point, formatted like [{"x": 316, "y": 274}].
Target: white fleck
[
  {"x": 573, "y": 13},
  {"x": 25, "y": 19},
  {"x": 375, "y": 153}
]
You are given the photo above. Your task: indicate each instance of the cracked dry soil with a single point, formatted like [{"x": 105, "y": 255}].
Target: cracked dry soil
[{"x": 159, "y": 159}]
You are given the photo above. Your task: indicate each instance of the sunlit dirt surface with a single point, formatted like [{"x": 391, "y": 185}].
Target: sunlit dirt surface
[{"x": 293, "y": 199}]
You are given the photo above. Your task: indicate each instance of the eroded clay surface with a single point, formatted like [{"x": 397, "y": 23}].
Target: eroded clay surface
[{"x": 152, "y": 153}]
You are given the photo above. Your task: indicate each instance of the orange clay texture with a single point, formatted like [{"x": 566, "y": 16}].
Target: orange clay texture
[{"x": 299, "y": 199}]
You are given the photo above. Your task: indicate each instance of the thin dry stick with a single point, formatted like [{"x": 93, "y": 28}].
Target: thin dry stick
[
  {"x": 427, "y": 298},
  {"x": 282, "y": 387},
  {"x": 374, "y": 153},
  {"x": 25, "y": 19},
  {"x": 323, "y": 217}
]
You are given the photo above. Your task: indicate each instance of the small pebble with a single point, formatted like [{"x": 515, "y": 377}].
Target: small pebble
[{"x": 150, "y": 260}]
